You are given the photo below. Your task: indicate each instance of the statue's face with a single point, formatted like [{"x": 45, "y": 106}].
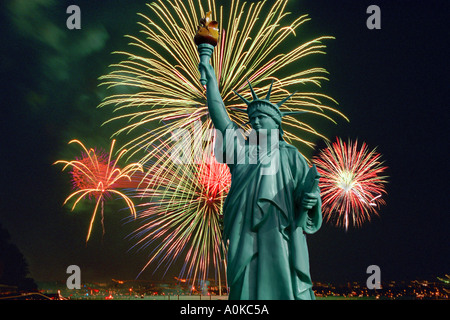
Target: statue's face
[{"x": 260, "y": 121}]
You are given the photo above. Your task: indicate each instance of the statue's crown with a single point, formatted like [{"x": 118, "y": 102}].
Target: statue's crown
[{"x": 265, "y": 104}]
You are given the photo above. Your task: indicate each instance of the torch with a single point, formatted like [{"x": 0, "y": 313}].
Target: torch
[{"x": 206, "y": 39}]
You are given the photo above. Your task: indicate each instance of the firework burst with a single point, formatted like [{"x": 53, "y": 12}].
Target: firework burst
[
  {"x": 351, "y": 182},
  {"x": 162, "y": 81},
  {"x": 97, "y": 175},
  {"x": 181, "y": 216}
]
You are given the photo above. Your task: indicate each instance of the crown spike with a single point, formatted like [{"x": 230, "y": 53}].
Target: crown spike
[
  {"x": 242, "y": 98},
  {"x": 270, "y": 90},
  {"x": 285, "y": 99},
  {"x": 255, "y": 97},
  {"x": 288, "y": 113},
  {"x": 238, "y": 110}
]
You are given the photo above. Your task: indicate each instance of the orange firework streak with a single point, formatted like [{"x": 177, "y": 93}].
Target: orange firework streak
[{"x": 97, "y": 175}]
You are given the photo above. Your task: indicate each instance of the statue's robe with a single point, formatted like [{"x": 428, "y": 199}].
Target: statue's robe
[{"x": 267, "y": 257}]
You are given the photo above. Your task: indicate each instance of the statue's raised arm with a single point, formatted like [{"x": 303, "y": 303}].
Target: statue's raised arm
[
  {"x": 216, "y": 107},
  {"x": 206, "y": 39}
]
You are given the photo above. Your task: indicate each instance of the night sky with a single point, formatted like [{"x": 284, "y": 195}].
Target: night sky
[{"x": 392, "y": 84}]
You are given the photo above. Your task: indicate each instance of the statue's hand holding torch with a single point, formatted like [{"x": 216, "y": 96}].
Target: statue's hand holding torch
[{"x": 206, "y": 39}]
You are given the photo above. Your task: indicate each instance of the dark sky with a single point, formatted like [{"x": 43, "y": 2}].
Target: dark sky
[{"x": 392, "y": 84}]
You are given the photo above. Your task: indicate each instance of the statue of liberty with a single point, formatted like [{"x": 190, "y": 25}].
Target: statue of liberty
[
  {"x": 266, "y": 212},
  {"x": 272, "y": 202}
]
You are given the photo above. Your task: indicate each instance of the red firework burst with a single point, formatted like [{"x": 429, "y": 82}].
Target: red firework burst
[
  {"x": 97, "y": 174},
  {"x": 215, "y": 179},
  {"x": 102, "y": 173},
  {"x": 351, "y": 183}
]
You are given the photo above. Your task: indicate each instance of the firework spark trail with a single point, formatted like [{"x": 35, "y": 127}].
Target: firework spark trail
[
  {"x": 166, "y": 77},
  {"x": 351, "y": 182},
  {"x": 98, "y": 175},
  {"x": 181, "y": 215}
]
